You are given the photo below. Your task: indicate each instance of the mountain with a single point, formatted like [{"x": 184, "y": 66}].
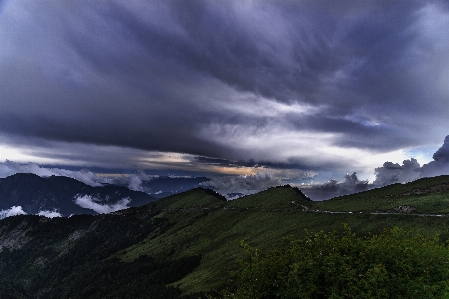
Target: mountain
[
  {"x": 164, "y": 185},
  {"x": 64, "y": 195},
  {"x": 185, "y": 245}
]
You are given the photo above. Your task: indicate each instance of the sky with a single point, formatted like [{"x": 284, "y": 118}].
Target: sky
[{"x": 261, "y": 92}]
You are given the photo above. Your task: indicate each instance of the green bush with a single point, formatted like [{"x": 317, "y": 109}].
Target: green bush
[{"x": 392, "y": 264}]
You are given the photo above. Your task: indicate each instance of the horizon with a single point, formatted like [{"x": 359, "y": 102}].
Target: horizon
[{"x": 232, "y": 188}]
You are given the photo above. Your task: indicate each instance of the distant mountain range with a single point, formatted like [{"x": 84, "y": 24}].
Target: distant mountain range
[
  {"x": 165, "y": 185},
  {"x": 64, "y": 196}
]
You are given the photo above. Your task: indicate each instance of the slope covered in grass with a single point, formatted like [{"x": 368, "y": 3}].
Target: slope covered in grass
[
  {"x": 426, "y": 195},
  {"x": 276, "y": 197},
  {"x": 262, "y": 220},
  {"x": 194, "y": 198}
]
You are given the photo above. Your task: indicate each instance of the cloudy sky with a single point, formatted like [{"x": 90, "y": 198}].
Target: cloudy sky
[{"x": 305, "y": 90}]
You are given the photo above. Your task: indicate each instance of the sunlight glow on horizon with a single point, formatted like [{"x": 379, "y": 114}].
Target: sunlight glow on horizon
[
  {"x": 16, "y": 155},
  {"x": 358, "y": 160}
]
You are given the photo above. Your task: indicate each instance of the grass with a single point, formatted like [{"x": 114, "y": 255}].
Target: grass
[
  {"x": 263, "y": 220},
  {"x": 277, "y": 197},
  {"x": 397, "y": 189},
  {"x": 195, "y": 198},
  {"x": 432, "y": 204},
  {"x": 427, "y": 195}
]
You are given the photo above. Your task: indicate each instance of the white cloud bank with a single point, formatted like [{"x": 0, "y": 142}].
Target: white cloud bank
[
  {"x": 18, "y": 210},
  {"x": 89, "y": 202},
  {"x": 49, "y": 214},
  {"x": 13, "y": 211}
]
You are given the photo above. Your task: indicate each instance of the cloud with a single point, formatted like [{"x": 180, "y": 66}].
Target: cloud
[
  {"x": 333, "y": 188},
  {"x": 89, "y": 202},
  {"x": 49, "y": 214},
  {"x": 282, "y": 82},
  {"x": 391, "y": 173},
  {"x": 440, "y": 163},
  {"x": 137, "y": 179},
  {"x": 132, "y": 181},
  {"x": 229, "y": 186},
  {"x": 388, "y": 173},
  {"x": 410, "y": 170},
  {"x": 13, "y": 211}
]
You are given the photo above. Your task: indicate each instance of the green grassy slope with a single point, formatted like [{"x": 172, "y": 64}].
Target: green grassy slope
[
  {"x": 272, "y": 198},
  {"x": 263, "y": 220},
  {"x": 195, "y": 198},
  {"x": 427, "y": 195}
]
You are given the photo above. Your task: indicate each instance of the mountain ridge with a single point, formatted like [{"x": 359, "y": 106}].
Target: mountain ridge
[{"x": 58, "y": 193}]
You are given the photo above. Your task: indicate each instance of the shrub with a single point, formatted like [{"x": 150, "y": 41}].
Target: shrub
[{"x": 392, "y": 264}]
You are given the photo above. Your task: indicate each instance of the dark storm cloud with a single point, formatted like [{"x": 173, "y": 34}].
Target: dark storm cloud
[
  {"x": 391, "y": 173},
  {"x": 410, "y": 169},
  {"x": 186, "y": 76},
  {"x": 440, "y": 163},
  {"x": 442, "y": 154}
]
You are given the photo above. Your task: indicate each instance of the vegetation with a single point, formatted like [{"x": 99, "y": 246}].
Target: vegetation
[{"x": 392, "y": 264}]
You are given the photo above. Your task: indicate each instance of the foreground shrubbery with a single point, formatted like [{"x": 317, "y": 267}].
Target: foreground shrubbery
[{"x": 393, "y": 264}]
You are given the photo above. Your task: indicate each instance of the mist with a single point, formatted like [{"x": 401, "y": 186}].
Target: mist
[
  {"x": 89, "y": 202},
  {"x": 132, "y": 181}
]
